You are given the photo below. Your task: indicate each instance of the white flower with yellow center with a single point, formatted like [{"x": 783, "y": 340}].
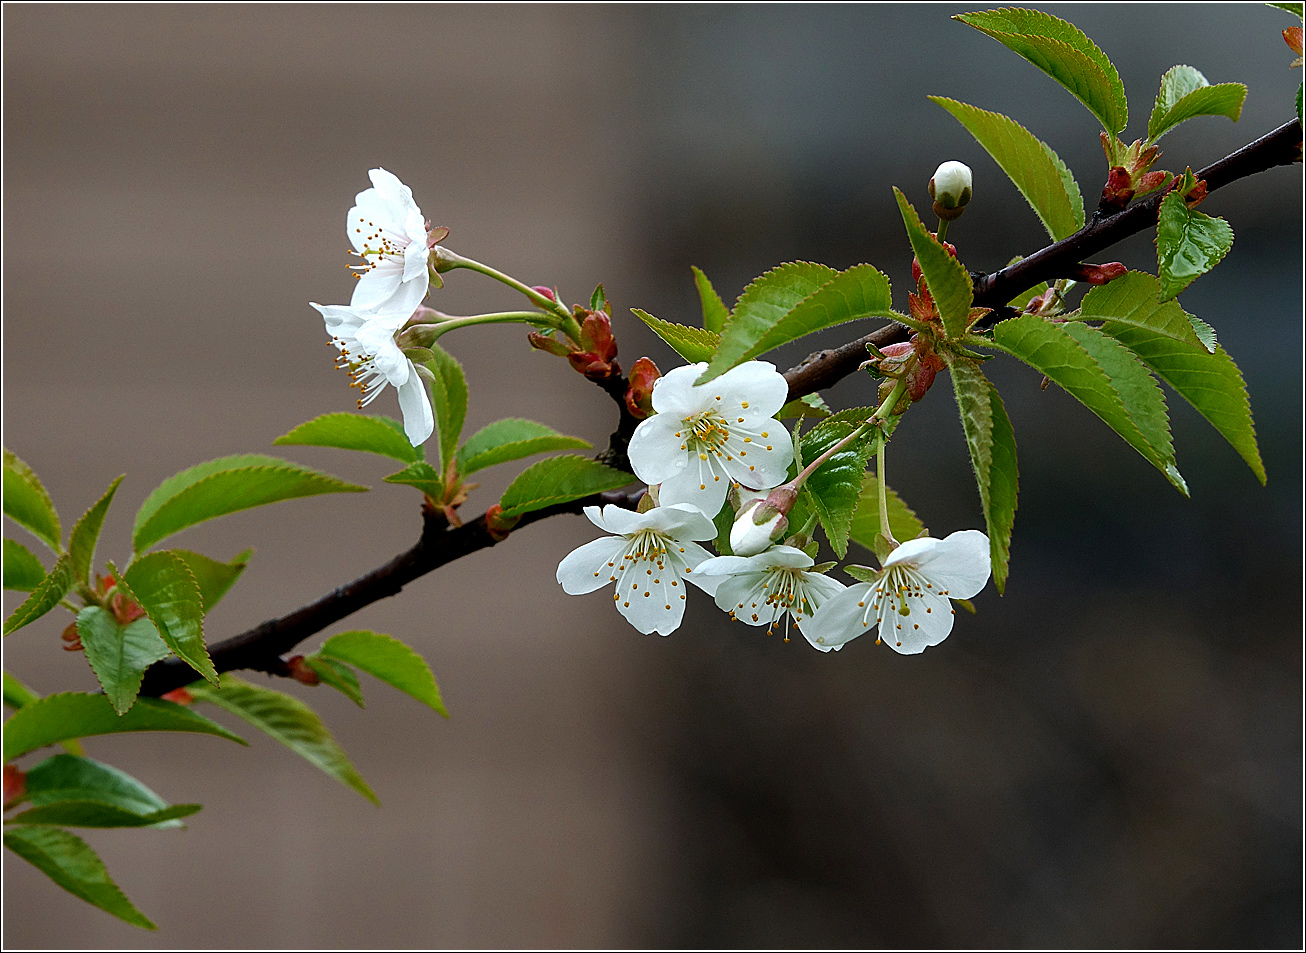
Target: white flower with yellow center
[
  {"x": 910, "y": 598},
  {"x": 701, "y": 438},
  {"x": 650, "y": 557},
  {"x": 389, "y": 233},
  {"x": 763, "y": 589},
  {"x": 369, "y": 353}
]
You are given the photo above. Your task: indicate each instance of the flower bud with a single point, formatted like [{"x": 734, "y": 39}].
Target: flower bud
[
  {"x": 950, "y": 188},
  {"x": 546, "y": 291},
  {"x": 178, "y": 696},
  {"x": 639, "y": 395},
  {"x": 15, "y": 782},
  {"x": 756, "y": 527},
  {"x": 301, "y": 672},
  {"x": 1098, "y": 274}
]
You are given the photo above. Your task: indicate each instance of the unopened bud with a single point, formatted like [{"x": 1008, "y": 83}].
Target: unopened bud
[
  {"x": 545, "y": 291},
  {"x": 950, "y": 188},
  {"x": 301, "y": 672},
  {"x": 761, "y": 522},
  {"x": 497, "y": 525},
  {"x": 639, "y": 395},
  {"x": 1098, "y": 274}
]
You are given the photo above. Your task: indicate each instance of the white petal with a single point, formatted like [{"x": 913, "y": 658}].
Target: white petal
[
  {"x": 927, "y": 623},
  {"x": 655, "y": 452},
  {"x": 728, "y": 566},
  {"x": 843, "y": 617},
  {"x": 390, "y": 189},
  {"x": 786, "y": 557},
  {"x": 763, "y": 461},
  {"x": 912, "y": 550},
  {"x": 373, "y": 291},
  {"x": 959, "y": 564},
  {"x": 697, "y": 489},
  {"x": 743, "y": 596},
  {"x": 674, "y": 392},
  {"x": 693, "y": 557},
  {"x": 681, "y": 521},
  {"x": 755, "y": 386},
  {"x": 416, "y": 255},
  {"x": 620, "y": 521},
  {"x": 590, "y": 566},
  {"x": 341, "y": 320},
  {"x": 415, "y": 402}
]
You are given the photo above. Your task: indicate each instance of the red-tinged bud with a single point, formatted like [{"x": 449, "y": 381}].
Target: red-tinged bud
[
  {"x": 1119, "y": 188},
  {"x": 547, "y": 342},
  {"x": 919, "y": 379},
  {"x": 498, "y": 525},
  {"x": 301, "y": 672},
  {"x": 73, "y": 641},
  {"x": 1098, "y": 274},
  {"x": 1196, "y": 195},
  {"x": 178, "y": 696},
  {"x": 1293, "y": 37},
  {"x": 639, "y": 396},
  {"x": 895, "y": 359},
  {"x": 15, "y": 784},
  {"x": 546, "y": 291},
  {"x": 1151, "y": 181},
  {"x": 596, "y": 335}
]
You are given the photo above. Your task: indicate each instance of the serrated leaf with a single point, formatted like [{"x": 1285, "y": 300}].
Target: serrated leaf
[
  {"x": 1189, "y": 243},
  {"x": 1185, "y": 93},
  {"x": 992, "y": 445},
  {"x": 290, "y": 722},
  {"x": 44, "y": 597},
  {"x": 903, "y": 521},
  {"x": 1102, "y": 376},
  {"x": 835, "y": 486},
  {"x": 1030, "y": 163},
  {"x": 693, "y": 344},
  {"x": 559, "y": 480},
  {"x": 1135, "y": 300},
  {"x": 421, "y": 475},
  {"x": 511, "y": 439},
  {"x": 69, "y": 862},
  {"x": 715, "y": 311},
  {"x": 364, "y": 432},
  {"x": 1061, "y": 50},
  {"x": 162, "y": 583},
  {"x": 65, "y": 777},
  {"x": 119, "y": 655},
  {"x": 1212, "y": 383},
  {"x": 809, "y": 405},
  {"x": 213, "y": 578},
  {"x": 86, "y": 533},
  {"x": 27, "y": 503},
  {"x": 98, "y": 814},
  {"x": 449, "y": 397},
  {"x": 226, "y": 485},
  {"x": 1294, "y": 8},
  {"x": 23, "y": 572},
  {"x": 59, "y": 717},
  {"x": 338, "y": 675},
  {"x": 386, "y": 658},
  {"x": 760, "y": 308},
  {"x": 945, "y": 276},
  {"x": 599, "y": 299}
]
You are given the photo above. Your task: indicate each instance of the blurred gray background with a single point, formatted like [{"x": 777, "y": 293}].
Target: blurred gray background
[{"x": 1109, "y": 755}]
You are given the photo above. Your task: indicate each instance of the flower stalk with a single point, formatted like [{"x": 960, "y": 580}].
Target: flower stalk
[{"x": 446, "y": 260}]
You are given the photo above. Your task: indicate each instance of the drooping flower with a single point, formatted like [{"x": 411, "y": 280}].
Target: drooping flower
[
  {"x": 909, "y": 599},
  {"x": 369, "y": 353},
  {"x": 703, "y": 437},
  {"x": 650, "y": 557},
  {"x": 763, "y": 589},
  {"x": 389, "y": 233}
]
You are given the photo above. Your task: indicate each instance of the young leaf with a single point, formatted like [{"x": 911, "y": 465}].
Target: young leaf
[
  {"x": 86, "y": 533},
  {"x": 119, "y": 655},
  {"x": 57, "y": 718},
  {"x": 365, "y": 432},
  {"x": 1210, "y": 382},
  {"x": 16, "y": 694},
  {"x": 693, "y": 344},
  {"x": 421, "y": 475},
  {"x": 903, "y": 522},
  {"x": 288, "y": 720},
  {"x": 23, "y": 572},
  {"x": 44, "y": 597},
  {"x": 388, "y": 659},
  {"x": 1032, "y": 166},
  {"x": 1186, "y": 93},
  {"x": 338, "y": 675},
  {"x": 222, "y": 486},
  {"x": 1189, "y": 243},
  {"x": 715, "y": 312},
  {"x": 599, "y": 299},
  {"x": 768, "y": 299},
  {"x": 992, "y": 445},
  {"x": 1061, "y": 50},
  {"x": 65, "y": 777},
  {"x": 27, "y": 503},
  {"x": 945, "y": 276},
  {"x": 511, "y": 439},
  {"x": 212, "y": 577},
  {"x": 835, "y": 486},
  {"x": 559, "y": 480},
  {"x": 69, "y": 862},
  {"x": 165, "y": 588},
  {"x": 1135, "y": 300},
  {"x": 92, "y": 813},
  {"x": 449, "y": 395}
]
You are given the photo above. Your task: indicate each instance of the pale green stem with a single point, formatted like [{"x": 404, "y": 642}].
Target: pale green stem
[
  {"x": 568, "y": 323},
  {"x": 943, "y": 230},
  {"x": 880, "y": 413},
  {"x": 884, "y": 496},
  {"x": 498, "y": 317}
]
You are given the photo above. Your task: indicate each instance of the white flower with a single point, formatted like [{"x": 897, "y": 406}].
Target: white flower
[
  {"x": 909, "y": 597},
  {"x": 368, "y": 351},
  {"x": 389, "y": 233},
  {"x": 748, "y": 537},
  {"x": 703, "y": 437},
  {"x": 650, "y": 557},
  {"x": 763, "y": 589},
  {"x": 951, "y": 184}
]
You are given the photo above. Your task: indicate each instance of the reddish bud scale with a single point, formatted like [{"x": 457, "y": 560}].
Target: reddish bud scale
[
  {"x": 178, "y": 696},
  {"x": 1099, "y": 274},
  {"x": 639, "y": 395},
  {"x": 301, "y": 672},
  {"x": 15, "y": 784},
  {"x": 497, "y": 525},
  {"x": 1293, "y": 37},
  {"x": 546, "y": 291}
]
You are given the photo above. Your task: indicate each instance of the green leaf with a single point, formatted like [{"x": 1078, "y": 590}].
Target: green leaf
[
  {"x": 70, "y": 863},
  {"x": 1061, "y": 50},
  {"x": 1186, "y": 93},
  {"x": 44, "y": 597},
  {"x": 365, "y": 432},
  {"x": 421, "y": 475},
  {"x": 945, "y": 276},
  {"x": 27, "y": 503},
  {"x": 65, "y": 777},
  {"x": 1032, "y": 166},
  {"x": 1212, "y": 383},
  {"x": 715, "y": 312},
  {"x": 903, "y": 522},
  {"x": 338, "y": 675},
  {"x": 23, "y": 572},
  {"x": 1189, "y": 243},
  {"x": 992, "y": 445},
  {"x": 449, "y": 397},
  {"x": 725, "y": 520},
  {"x": 809, "y": 405},
  {"x": 388, "y": 659},
  {"x": 86, "y": 533},
  {"x": 835, "y": 486},
  {"x": 1294, "y": 8},
  {"x": 170, "y": 595},
  {"x": 288, "y": 720},
  {"x": 599, "y": 299},
  {"x": 761, "y": 308},
  {"x": 511, "y": 439},
  {"x": 693, "y": 344},
  {"x": 559, "y": 480},
  {"x": 118, "y": 655},
  {"x": 1134, "y": 300},
  {"x": 223, "y": 486},
  {"x": 212, "y": 577},
  {"x": 1101, "y": 375},
  {"x": 16, "y": 694},
  {"x": 92, "y": 813},
  {"x": 57, "y": 718}
]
